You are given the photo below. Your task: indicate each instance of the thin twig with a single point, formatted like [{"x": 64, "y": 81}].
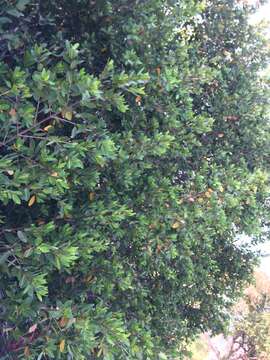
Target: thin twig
[
  {"x": 64, "y": 120},
  {"x": 35, "y": 126},
  {"x": 37, "y": 109},
  {"x": 33, "y": 137},
  {"x": 25, "y": 131},
  {"x": 4, "y": 93}
]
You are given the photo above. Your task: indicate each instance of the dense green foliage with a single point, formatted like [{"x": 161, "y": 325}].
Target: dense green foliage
[{"x": 134, "y": 146}]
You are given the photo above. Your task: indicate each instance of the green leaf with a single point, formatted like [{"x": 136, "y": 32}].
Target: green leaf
[
  {"x": 21, "y": 235},
  {"x": 14, "y": 13},
  {"x": 21, "y": 4}
]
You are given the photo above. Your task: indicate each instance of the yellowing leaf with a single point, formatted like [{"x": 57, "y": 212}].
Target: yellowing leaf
[
  {"x": 32, "y": 200},
  {"x": 207, "y": 194},
  {"x": 40, "y": 222},
  {"x": 138, "y": 100},
  {"x": 47, "y": 128},
  {"x": 54, "y": 174},
  {"x": 62, "y": 345},
  {"x": 26, "y": 351},
  {"x": 63, "y": 321},
  {"x": 13, "y": 112},
  {"x": 89, "y": 279},
  {"x": 177, "y": 224},
  {"x": 226, "y": 53},
  {"x": 91, "y": 196},
  {"x": 100, "y": 352},
  {"x": 67, "y": 113}
]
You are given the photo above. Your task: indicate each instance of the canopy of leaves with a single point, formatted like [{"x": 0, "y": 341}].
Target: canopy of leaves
[{"x": 134, "y": 151}]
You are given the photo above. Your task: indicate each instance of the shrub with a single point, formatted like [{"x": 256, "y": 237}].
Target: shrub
[{"x": 134, "y": 151}]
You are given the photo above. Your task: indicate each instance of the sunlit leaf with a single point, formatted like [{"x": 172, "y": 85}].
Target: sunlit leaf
[{"x": 32, "y": 200}]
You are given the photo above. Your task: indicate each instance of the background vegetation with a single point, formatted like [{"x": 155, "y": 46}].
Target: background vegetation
[{"x": 249, "y": 332}]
